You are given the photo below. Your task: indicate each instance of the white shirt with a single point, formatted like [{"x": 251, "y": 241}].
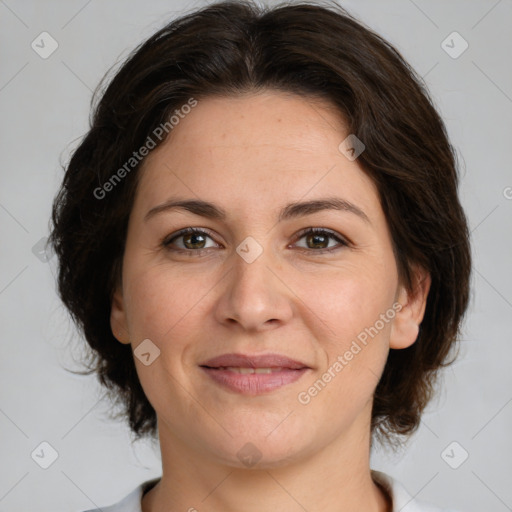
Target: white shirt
[{"x": 402, "y": 500}]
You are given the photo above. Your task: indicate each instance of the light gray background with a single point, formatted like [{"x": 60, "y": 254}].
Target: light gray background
[{"x": 45, "y": 109}]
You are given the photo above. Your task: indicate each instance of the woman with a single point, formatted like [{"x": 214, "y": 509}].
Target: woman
[{"x": 261, "y": 239}]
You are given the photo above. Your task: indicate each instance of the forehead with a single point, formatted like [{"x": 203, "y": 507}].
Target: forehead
[
  {"x": 261, "y": 148},
  {"x": 217, "y": 119}
]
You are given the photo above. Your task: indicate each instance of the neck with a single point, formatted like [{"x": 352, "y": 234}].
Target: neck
[{"x": 337, "y": 478}]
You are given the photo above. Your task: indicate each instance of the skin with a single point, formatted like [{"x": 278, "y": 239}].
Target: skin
[{"x": 251, "y": 155}]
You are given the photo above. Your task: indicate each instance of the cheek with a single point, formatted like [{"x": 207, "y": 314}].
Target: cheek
[
  {"x": 345, "y": 302},
  {"x": 352, "y": 315},
  {"x": 160, "y": 303},
  {"x": 164, "y": 307}
]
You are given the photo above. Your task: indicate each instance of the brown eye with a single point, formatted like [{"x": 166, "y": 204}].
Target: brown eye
[
  {"x": 194, "y": 241},
  {"x": 318, "y": 240},
  {"x": 189, "y": 240}
]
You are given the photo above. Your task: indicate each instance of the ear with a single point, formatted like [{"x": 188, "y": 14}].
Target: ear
[
  {"x": 406, "y": 324},
  {"x": 118, "y": 322}
]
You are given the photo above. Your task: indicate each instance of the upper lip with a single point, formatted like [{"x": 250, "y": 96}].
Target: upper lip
[{"x": 254, "y": 361}]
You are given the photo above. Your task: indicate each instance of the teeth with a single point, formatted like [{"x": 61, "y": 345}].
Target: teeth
[{"x": 237, "y": 369}]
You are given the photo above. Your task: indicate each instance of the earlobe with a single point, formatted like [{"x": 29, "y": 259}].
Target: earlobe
[
  {"x": 118, "y": 322},
  {"x": 406, "y": 324}
]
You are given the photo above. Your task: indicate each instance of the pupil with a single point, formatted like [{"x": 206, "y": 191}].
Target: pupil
[
  {"x": 316, "y": 241},
  {"x": 193, "y": 236}
]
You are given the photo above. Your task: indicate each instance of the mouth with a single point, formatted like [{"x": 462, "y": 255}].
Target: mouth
[{"x": 253, "y": 375}]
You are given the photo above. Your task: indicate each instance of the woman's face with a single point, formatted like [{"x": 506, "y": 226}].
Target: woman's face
[{"x": 324, "y": 307}]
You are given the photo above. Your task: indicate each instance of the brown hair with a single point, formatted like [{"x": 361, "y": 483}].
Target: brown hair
[{"x": 311, "y": 50}]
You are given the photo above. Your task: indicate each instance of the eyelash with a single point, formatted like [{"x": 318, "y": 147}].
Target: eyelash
[{"x": 166, "y": 242}]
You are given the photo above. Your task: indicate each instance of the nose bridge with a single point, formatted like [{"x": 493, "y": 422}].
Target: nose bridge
[
  {"x": 255, "y": 297},
  {"x": 251, "y": 267}
]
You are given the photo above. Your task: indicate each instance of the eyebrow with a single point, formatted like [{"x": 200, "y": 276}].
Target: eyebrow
[{"x": 290, "y": 211}]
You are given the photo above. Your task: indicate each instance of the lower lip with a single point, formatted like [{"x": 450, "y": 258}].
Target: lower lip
[{"x": 254, "y": 383}]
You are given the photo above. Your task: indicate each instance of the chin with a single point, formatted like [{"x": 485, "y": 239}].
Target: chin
[{"x": 256, "y": 450}]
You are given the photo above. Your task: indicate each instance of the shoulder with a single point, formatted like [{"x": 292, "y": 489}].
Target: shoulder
[
  {"x": 402, "y": 500},
  {"x": 131, "y": 502}
]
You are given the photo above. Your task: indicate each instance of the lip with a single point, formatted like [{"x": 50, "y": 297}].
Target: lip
[
  {"x": 283, "y": 371},
  {"x": 255, "y": 361}
]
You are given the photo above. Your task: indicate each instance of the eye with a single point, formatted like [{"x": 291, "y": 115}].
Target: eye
[
  {"x": 318, "y": 240},
  {"x": 193, "y": 240}
]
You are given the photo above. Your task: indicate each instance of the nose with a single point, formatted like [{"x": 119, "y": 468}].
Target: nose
[{"x": 254, "y": 296}]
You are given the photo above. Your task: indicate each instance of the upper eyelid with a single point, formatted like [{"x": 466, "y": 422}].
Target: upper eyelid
[
  {"x": 186, "y": 231},
  {"x": 314, "y": 229}
]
